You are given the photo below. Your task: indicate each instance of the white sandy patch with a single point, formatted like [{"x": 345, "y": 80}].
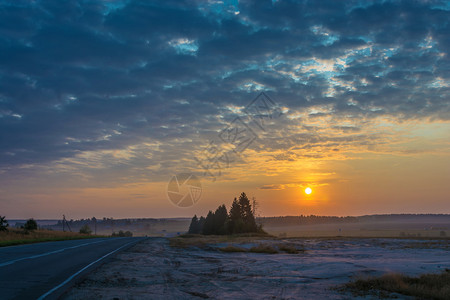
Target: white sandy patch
[{"x": 154, "y": 270}]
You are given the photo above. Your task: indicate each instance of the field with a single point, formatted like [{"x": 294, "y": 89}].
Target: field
[
  {"x": 260, "y": 268},
  {"x": 19, "y": 236}
]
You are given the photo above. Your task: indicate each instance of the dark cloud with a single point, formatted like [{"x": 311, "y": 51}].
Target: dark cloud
[{"x": 77, "y": 76}]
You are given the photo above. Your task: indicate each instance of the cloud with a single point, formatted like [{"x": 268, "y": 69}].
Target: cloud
[
  {"x": 82, "y": 81},
  {"x": 273, "y": 187}
]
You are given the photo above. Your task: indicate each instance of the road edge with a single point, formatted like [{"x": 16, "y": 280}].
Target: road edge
[{"x": 60, "y": 290}]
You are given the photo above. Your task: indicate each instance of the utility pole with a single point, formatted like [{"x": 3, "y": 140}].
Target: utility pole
[{"x": 65, "y": 221}]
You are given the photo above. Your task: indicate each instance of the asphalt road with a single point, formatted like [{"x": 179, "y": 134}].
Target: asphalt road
[{"x": 45, "y": 270}]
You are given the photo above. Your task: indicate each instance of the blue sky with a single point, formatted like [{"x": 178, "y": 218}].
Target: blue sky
[{"x": 99, "y": 95}]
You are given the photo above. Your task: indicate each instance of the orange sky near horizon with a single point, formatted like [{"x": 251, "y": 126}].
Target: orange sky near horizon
[{"x": 390, "y": 178}]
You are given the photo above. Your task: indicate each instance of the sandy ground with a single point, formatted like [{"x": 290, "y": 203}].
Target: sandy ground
[{"x": 154, "y": 270}]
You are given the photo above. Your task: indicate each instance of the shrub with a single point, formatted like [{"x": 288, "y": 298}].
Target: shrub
[
  {"x": 85, "y": 229},
  {"x": 122, "y": 234},
  {"x": 31, "y": 224}
]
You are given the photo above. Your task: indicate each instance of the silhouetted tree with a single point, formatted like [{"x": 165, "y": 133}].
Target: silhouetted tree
[
  {"x": 194, "y": 228},
  {"x": 220, "y": 219},
  {"x": 208, "y": 227},
  {"x": 31, "y": 224},
  {"x": 239, "y": 220},
  {"x": 3, "y": 224},
  {"x": 201, "y": 224},
  {"x": 247, "y": 214}
]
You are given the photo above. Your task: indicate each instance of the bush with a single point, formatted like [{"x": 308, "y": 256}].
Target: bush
[
  {"x": 3, "y": 224},
  {"x": 85, "y": 229},
  {"x": 122, "y": 234},
  {"x": 31, "y": 224}
]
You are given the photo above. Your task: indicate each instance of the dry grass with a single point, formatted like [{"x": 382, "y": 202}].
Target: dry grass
[
  {"x": 232, "y": 248},
  {"x": 289, "y": 248},
  {"x": 205, "y": 242},
  {"x": 20, "y": 236},
  {"x": 264, "y": 248},
  {"x": 198, "y": 240},
  {"x": 426, "y": 286}
]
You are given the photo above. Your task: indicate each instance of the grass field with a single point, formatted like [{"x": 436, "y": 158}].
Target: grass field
[
  {"x": 357, "y": 230},
  {"x": 425, "y": 286},
  {"x": 20, "y": 236}
]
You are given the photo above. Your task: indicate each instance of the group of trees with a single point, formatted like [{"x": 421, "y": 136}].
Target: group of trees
[
  {"x": 240, "y": 219},
  {"x": 31, "y": 224},
  {"x": 3, "y": 224}
]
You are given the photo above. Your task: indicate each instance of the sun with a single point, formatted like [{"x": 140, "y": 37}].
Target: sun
[{"x": 308, "y": 190}]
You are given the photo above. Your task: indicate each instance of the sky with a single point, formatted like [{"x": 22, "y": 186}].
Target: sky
[{"x": 102, "y": 103}]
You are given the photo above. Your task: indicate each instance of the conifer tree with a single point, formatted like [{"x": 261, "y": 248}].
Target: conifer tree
[
  {"x": 247, "y": 214},
  {"x": 208, "y": 227},
  {"x": 220, "y": 219},
  {"x": 194, "y": 227}
]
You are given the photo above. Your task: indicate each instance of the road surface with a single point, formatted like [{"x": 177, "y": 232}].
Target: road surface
[{"x": 44, "y": 270}]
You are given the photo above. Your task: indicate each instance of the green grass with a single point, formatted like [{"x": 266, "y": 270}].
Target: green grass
[
  {"x": 19, "y": 237},
  {"x": 426, "y": 286}
]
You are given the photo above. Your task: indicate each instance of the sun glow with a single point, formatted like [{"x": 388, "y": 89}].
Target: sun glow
[{"x": 308, "y": 190}]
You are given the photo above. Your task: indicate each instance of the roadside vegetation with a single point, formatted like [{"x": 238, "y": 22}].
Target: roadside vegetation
[
  {"x": 426, "y": 286},
  {"x": 30, "y": 233}
]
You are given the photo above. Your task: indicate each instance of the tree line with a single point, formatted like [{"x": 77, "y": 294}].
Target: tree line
[{"x": 240, "y": 219}]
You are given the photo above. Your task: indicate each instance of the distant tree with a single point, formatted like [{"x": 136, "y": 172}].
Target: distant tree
[
  {"x": 128, "y": 233},
  {"x": 208, "y": 227},
  {"x": 201, "y": 224},
  {"x": 31, "y": 224},
  {"x": 220, "y": 219},
  {"x": 235, "y": 210},
  {"x": 235, "y": 222},
  {"x": 240, "y": 219},
  {"x": 85, "y": 229},
  {"x": 194, "y": 227},
  {"x": 247, "y": 214},
  {"x": 3, "y": 224}
]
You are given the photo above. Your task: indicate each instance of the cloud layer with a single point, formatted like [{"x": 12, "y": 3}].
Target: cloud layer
[{"x": 139, "y": 86}]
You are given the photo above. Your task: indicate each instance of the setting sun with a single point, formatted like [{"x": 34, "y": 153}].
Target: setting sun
[{"x": 308, "y": 190}]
